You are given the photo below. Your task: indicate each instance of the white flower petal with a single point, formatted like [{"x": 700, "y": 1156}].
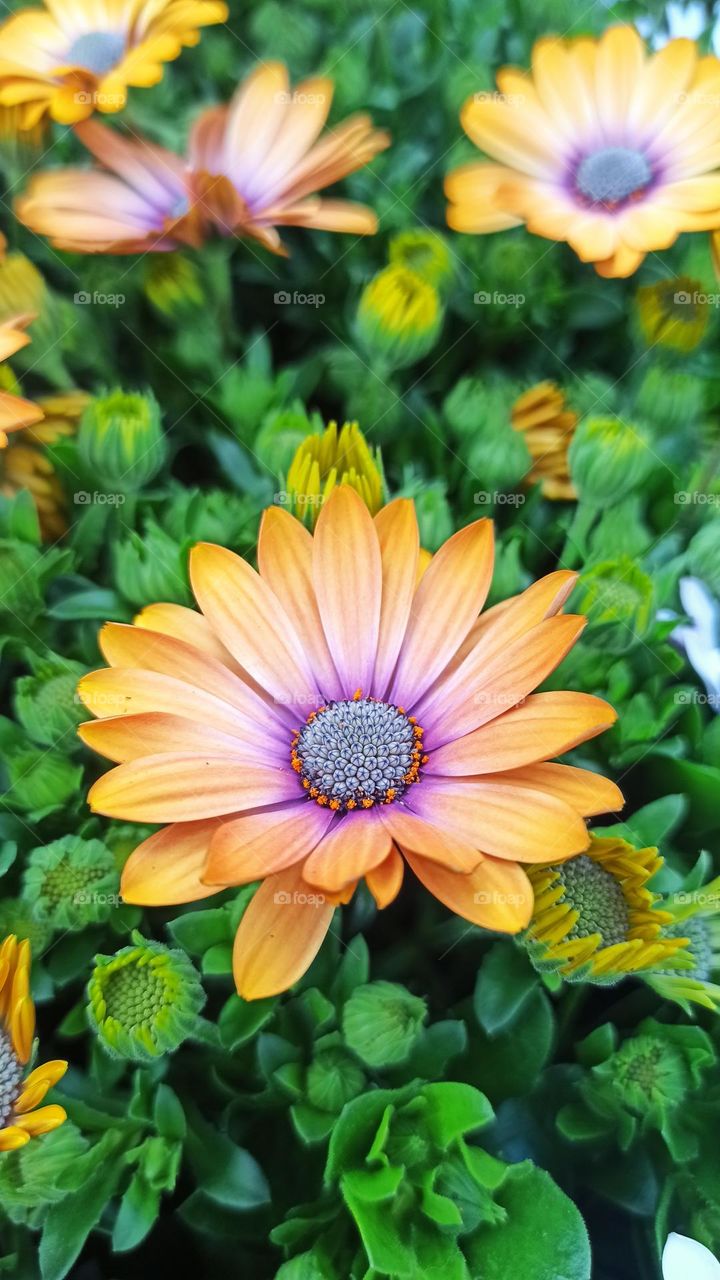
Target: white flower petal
[{"x": 686, "y": 1259}]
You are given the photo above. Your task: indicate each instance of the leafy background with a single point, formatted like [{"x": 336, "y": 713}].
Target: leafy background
[{"x": 246, "y": 1150}]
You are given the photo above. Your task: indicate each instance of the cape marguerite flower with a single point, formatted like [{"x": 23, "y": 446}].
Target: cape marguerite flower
[
  {"x": 15, "y": 412},
  {"x": 77, "y": 56},
  {"x": 251, "y": 167},
  {"x": 21, "y": 1094},
  {"x": 603, "y": 145},
  {"x": 324, "y": 716},
  {"x": 686, "y": 1259}
]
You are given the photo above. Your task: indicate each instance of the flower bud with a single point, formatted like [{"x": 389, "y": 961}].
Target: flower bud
[
  {"x": 324, "y": 461},
  {"x": 608, "y": 459},
  {"x": 399, "y": 317},
  {"x": 144, "y": 1001},
  {"x": 121, "y": 440}
]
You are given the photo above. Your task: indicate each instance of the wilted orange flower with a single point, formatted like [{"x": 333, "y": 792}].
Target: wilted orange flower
[
  {"x": 20, "y": 1095},
  {"x": 74, "y": 57},
  {"x": 604, "y": 145},
  {"x": 326, "y": 720},
  {"x": 252, "y": 166}
]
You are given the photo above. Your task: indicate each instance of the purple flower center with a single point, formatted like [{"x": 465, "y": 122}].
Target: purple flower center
[
  {"x": 97, "y": 51},
  {"x": 612, "y": 175}
]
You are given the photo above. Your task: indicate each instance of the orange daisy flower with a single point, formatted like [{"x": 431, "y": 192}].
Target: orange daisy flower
[
  {"x": 605, "y": 146},
  {"x": 21, "y": 1094},
  {"x": 77, "y": 56},
  {"x": 252, "y": 166},
  {"x": 15, "y": 412},
  {"x": 326, "y": 720}
]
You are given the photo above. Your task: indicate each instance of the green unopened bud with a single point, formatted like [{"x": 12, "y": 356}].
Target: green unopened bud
[
  {"x": 121, "y": 440},
  {"x": 72, "y": 882},
  {"x": 144, "y": 1001},
  {"x": 617, "y": 597},
  {"x": 424, "y": 252},
  {"x": 16, "y": 916},
  {"x": 282, "y": 433},
  {"x": 46, "y": 702},
  {"x": 172, "y": 284},
  {"x": 608, "y": 459},
  {"x": 703, "y": 555},
  {"x": 333, "y": 1078},
  {"x": 211, "y": 515},
  {"x": 151, "y": 567},
  {"x": 670, "y": 397},
  {"x": 40, "y": 781},
  {"x": 381, "y": 1022},
  {"x": 399, "y": 317}
]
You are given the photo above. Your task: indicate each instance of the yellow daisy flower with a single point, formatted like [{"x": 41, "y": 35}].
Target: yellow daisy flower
[
  {"x": 595, "y": 920},
  {"x": 548, "y": 428},
  {"x": 21, "y": 1118},
  {"x": 73, "y": 57},
  {"x": 603, "y": 145}
]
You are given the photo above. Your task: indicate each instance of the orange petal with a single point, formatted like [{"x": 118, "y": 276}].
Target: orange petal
[
  {"x": 279, "y": 935},
  {"x": 139, "y": 647},
  {"x": 251, "y": 622},
  {"x": 285, "y": 553},
  {"x": 543, "y": 726},
  {"x": 357, "y": 843},
  {"x": 515, "y": 822},
  {"x": 184, "y": 624},
  {"x": 399, "y": 539},
  {"x": 385, "y": 881},
  {"x": 347, "y": 573},
  {"x": 428, "y": 840},
  {"x": 260, "y": 844},
  {"x": 483, "y": 688},
  {"x": 498, "y": 895},
  {"x": 586, "y": 792},
  {"x": 128, "y": 737},
  {"x": 449, "y": 598},
  {"x": 184, "y": 785},
  {"x": 13, "y": 1137},
  {"x": 165, "y": 869}
]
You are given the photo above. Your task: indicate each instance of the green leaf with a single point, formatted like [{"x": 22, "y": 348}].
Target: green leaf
[
  {"x": 452, "y": 1110},
  {"x": 240, "y": 1020},
  {"x": 69, "y": 1223},
  {"x": 197, "y": 931},
  {"x": 543, "y": 1238},
  {"x": 225, "y": 1172},
  {"x": 505, "y": 981},
  {"x": 137, "y": 1215},
  {"x": 381, "y": 1021}
]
